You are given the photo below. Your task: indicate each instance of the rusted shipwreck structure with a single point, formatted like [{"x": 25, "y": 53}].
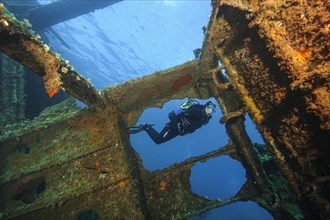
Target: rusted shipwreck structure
[{"x": 276, "y": 56}]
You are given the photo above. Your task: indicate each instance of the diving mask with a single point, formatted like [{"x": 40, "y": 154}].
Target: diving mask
[{"x": 210, "y": 109}]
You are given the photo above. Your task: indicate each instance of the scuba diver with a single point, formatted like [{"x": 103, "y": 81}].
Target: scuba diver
[{"x": 185, "y": 120}]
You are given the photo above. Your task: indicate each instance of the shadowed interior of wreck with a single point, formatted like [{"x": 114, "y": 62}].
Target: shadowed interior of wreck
[{"x": 71, "y": 157}]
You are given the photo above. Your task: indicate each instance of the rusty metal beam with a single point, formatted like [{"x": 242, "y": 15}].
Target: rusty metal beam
[
  {"x": 229, "y": 149},
  {"x": 149, "y": 90},
  {"x": 162, "y": 187},
  {"x": 21, "y": 44},
  {"x": 228, "y": 98}
]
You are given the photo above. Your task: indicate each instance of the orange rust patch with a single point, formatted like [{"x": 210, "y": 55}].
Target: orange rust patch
[
  {"x": 180, "y": 82},
  {"x": 302, "y": 55},
  {"x": 51, "y": 93},
  {"x": 162, "y": 185},
  {"x": 122, "y": 184},
  {"x": 128, "y": 117}
]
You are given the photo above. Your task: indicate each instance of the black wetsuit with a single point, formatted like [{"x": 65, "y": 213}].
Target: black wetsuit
[{"x": 184, "y": 123}]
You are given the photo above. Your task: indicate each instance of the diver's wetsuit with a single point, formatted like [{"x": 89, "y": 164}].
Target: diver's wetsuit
[{"x": 182, "y": 124}]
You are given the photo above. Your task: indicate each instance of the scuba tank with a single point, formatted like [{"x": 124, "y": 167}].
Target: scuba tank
[{"x": 174, "y": 115}]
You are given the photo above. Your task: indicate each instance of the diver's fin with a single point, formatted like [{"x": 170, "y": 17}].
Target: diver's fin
[
  {"x": 134, "y": 131},
  {"x": 139, "y": 128}
]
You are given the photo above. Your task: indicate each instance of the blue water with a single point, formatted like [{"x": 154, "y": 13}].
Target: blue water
[
  {"x": 202, "y": 141},
  {"x": 236, "y": 211},
  {"x": 132, "y": 38},
  {"x": 214, "y": 180},
  {"x": 135, "y": 38},
  {"x": 217, "y": 178}
]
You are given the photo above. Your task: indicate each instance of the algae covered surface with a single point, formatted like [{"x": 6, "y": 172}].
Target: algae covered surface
[
  {"x": 276, "y": 57},
  {"x": 49, "y": 116}
]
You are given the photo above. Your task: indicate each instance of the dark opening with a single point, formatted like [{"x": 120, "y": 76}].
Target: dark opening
[
  {"x": 23, "y": 148},
  {"x": 31, "y": 190},
  {"x": 88, "y": 215}
]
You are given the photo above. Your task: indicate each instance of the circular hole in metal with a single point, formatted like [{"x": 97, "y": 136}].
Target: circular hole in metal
[{"x": 217, "y": 178}]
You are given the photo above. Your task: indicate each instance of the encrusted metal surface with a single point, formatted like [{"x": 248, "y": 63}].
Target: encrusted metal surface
[
  {"x": 277, "y": 57},
  {"x": 276, "y": 54},
  {"x": 12, "y": 101}
]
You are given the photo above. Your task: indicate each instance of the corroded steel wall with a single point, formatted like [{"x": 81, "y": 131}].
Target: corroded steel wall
[
  {"x": 12, "y": 96},
  {"x": 277, "y": 56},
  {"x": 60, "y": 165}
]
